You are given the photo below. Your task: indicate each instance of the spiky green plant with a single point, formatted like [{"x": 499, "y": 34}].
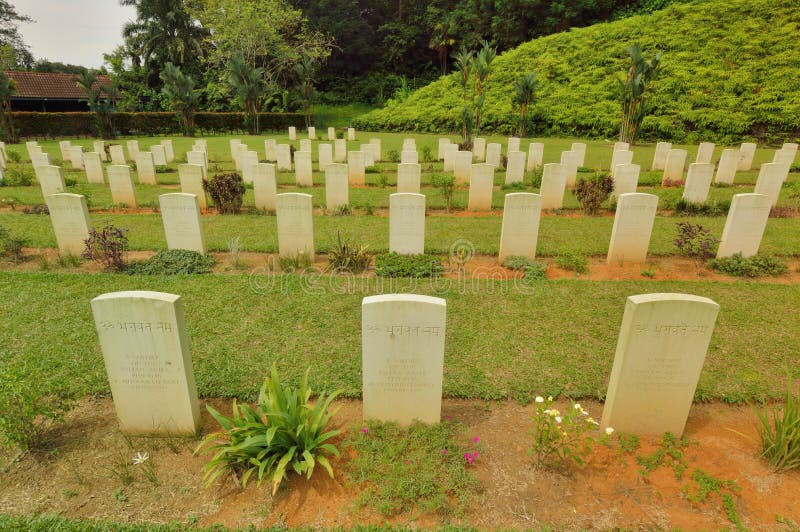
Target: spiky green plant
[
  {"x": 179, "y": 90},
  {"x": 633, "y": 90},
  {"x": 348, "y": 258},
  {"x": 248, "y": 83},
  {"x": 285, "y": 429},
  {"x": 780, "y": 433},
  {"x": 524, "y": 96}
]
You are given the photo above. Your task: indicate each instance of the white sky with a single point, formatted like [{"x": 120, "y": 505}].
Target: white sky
[{"x": 78, "y": 32}]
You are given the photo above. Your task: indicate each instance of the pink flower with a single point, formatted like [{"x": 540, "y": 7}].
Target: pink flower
[
  {"x": 364, "y": 430},
  {"x": 468, "y": 457},
  {"x": 475, "y": 439},
  {"x": 444, "y": 452}
]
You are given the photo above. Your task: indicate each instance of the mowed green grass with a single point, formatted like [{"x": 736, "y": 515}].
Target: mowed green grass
[{"x": 503, "y": 341}]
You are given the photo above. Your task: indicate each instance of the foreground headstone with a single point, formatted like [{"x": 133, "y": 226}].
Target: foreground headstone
[
  {"x": 449, "y": 163},
  {"x": 76, "y": 157},
  {"x": 493, "y": 154},
  {"x": 463, "y": 166},
  {"x": 324, "y": 156},
  {"x": 513, "y": 144},
  {"x": 633, "y": 225},
  {"x": 180, "y": 215},
  {"x": 356, "y": 170},
  {"x": 403, "y": 357},
  {"x": 661, "y": 348},
  {"x": 145, "y": 168},
  {"x": 580, "y": 149},
  {"x": 295, "y": 226},
  {"x": 626, "y": 179},
  {"x": 337, "y": 186},
  {"x": 746, "y": 153},
  {"x": 148, "y": 361},
  {"x": 284, "y": 157},
  {"x": 99, "y": 147},
  {"x": 554, "y": 182},
  {"x": 698, "y": 182},
  {"x": 536, "y": 156},
  {"x": 94, "y": 168},
  {"x": 728, "y": 164},
  {"x": 744, "y": 226},
  {"x": 133, "y": 152},
  {"x": 481, "y": 185},
  {"x": 191, "y": 178},
  {"x": 770, "y": 181},
  {"x": 121, "y": 184},
  {"x": 118, "y": 155},
  {"x": 660, "y": 156},
  {"x": 673, "y": 171},
  {"x": 69, "y": 215},
  {"x": 479, "y": 149},
  {"x": 515, "y": 167},
  {"x": 520, "y": 230},
  {"x": 339, "y": 151},
  {"x": 408, "y": 178},
  {"x": 705, "y": 152},
  {"x": 407, "y": 224},
  {"x": 169, "y": 152},
  {"x": 51, "y": 180},
  {"x": 292, "y": 133},
  {"x": 265, "y": 186},
  {"x": 270, "y": 150},
  {"x": 159, "y": 156}
]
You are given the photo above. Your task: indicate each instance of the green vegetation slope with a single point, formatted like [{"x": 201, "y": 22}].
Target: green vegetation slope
[{"x": 730, "y": 71}]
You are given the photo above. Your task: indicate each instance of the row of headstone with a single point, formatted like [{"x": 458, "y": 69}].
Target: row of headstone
[
  {"x": 661, "y": 349},
  {"x": 312, "y": 133}
]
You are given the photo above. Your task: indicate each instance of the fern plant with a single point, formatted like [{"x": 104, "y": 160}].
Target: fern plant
[{"x": 284, "y": 430}]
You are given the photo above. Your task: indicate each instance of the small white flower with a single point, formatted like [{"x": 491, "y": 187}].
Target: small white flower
[
  {"x": 577, "y": 406},
  {"x": 140, "y": 458},
  {"x": 558, "y": 419},
  {"x": 592, "y": 421},
  {"x": 539, "y": 399},
  {"x": 547, "y": 412},
  {"x": 609, "y": 431}
]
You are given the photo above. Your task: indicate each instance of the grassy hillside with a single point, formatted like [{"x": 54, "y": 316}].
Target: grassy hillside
[{"x": 730, "y": 71}]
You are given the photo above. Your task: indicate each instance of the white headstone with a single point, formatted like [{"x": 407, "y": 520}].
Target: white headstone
[
  {"x": 440, "y": 152},
  {"x": 118, "y": 155},
  {"x": 409, "y": 145},
  {"x": 270, "y": 150},
  {"x": 265, "y": 186},
  {"x": 462, "y": 167},
  {"x": 94, "y": 168},
  {"x": 621, "y": 146},
  {"x": 705, "y": 152},
  {"x": 148, "y": 361},
  {"x": 305, "y": 145},
  {"x": 331, "y": 133},
  {"x": 728, "y": 164},
  {"x": 513, "y": 144},
  {"x": 493, "y": 154},
  {"x": 169, "y": 152},
  {"x": 673, "y": 170},
  {"x": 377, "y": 156},
  {"x": 409, "y": 157},
  {"x": 133, "y": 152},
  {"x": 407, "y": 224},
  {"x": 324, "y": 156},
  {"x": 661, "y": 348},
  {"x": 450, "y": 151},
  {"x": 351, "y": 134},
  {"x": 197, "y": 158},
  {"x": 554, "y": 182},
  {"x": 337, "y": 187},
  {"x": 51, "y": 180},
  {"x": 515, "y": 167},
  {"x": 159, "y": 157},
  {"x": 145, "y": 168},
  {"x": 339, "y": 151},
  {"x": 620, "y": 157},
  {"x": 121, "y": 184},
  {"x": 479, "y": 149},
  {"x": 180, "y": 215},
  {"x": 248, "y": 160},
  {"x": 40, "y": 159},
  {"x": 408, "y": 178},
  {"x": 369, "y": 159},
  {"x": 70, "y": 218},
  {"x": 355, "y": 164},
  {"x": 770, "y": 181},
  {"x": 744, "y": 227},
  {"x": 304, "y": 170},
  {"x": 292, "y": 133},
  {"x": 295, "y": 225},
  {"x": 99, "y": 147},
  {"x": 535, "y": 156},
  {"x": 64, "y": 147},
  {"x": 698, "y": 182},
  {"x": 633, "y": 225},
  {"x": 746, "y": 153},
  {"x": 660, "y": 155},
  {"x": 520, "y": 230},
  {"x": 403, "y": 357},
  {"x": 191, "y": 178},
  {"x": 481, "y": 185},
  {"x": 284, "y": 154},
  {"x": 570, "y": 160},
  {"x": 626, "y": 179},
  {"x": 76, "y": 157},
  {"x": 785, "y": 156},
  {"x": 580, "y": 149},
  {"x": 312, "y": 133}
]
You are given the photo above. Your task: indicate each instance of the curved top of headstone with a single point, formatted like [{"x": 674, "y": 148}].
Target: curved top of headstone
[
  {"x": 65, "y": 195},
  {"x": 640, "y": 196},
  {"x": 413, "y": 298},
  {"x": 177, "y": 195},
  {"x": 289, "y": 195},
  {"x": 670, "y": 296},
  {"x": 529, "y": 195},
  {"x": 139, "y": 294},
  {"x": 405, "y": 195}
]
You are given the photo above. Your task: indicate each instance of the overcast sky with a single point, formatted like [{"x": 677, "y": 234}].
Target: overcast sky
[{"x": 78, "y": 32}]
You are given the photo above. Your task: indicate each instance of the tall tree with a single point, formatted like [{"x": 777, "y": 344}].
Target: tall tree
[
  {"x": 179, "y": 90},
  {"x": 248, "y": 84},
  {"x": 10, "y": 36},
  {"x": 524, "y": 96},
  {"x": 101, "y": 101},
  {"x": 633, "y": 90},
  {"x": 8, "y": 88}
]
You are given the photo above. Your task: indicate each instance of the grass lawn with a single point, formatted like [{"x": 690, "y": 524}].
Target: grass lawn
[{"x": 557, "y": 337}]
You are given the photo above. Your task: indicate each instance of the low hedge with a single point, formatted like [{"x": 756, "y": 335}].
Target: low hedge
[{"x": 51, "y": 125}]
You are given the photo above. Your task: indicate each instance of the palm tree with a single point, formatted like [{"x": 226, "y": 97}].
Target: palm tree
[
  {"x": 179, "y": 89},
  {"x": 101, "y": 101},
  {"x": 464, "y": 60},
  {"x": 8, "y": 87},
  {"x": 633, "y": 88},
  {"x": 305, "y": 70},
  {"x": 247, "y": 82},
  {"x": 482, "y": 67},
  {"x": 524, "y": 96}
]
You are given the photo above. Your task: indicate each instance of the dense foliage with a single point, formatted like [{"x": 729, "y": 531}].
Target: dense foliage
[
  {"x": 173, "y": 262},
  {"x": 737, "y": 80}
]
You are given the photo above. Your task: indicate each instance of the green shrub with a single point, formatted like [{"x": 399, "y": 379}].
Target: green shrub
[
  {"x": 696, "y": 241},
  {"x": 780, "y": 433},
  {"x": 13, "y": 155},
  {"x": 284, "y": 430},
  {"x": 372, "y": 170},
  {"x": 342, "y": 210},
  {"x": 427, "y": 154},
  {"x": 446, "y": 183},
  {"x": 12, "y": 245},
  {"x": 173, "y": 262},
  {"x": 108, "y": 246},
  {"x": 161, "y": 169},
  {"x": 393, "y": 156},
  {"x": 516, "y": 185},
  {"x": 226, "y": 191},
  {"x": 70, "y": 182},
  {"x": 755, "y": 266},
  {"x": 534, "y": 271},
  {"x": 534, "y": 177},
  {"x": 26, "y": 412},
  {"x": 592, "y": 191},
  {"x": 396, "y": 265},
  {"x": 347, "y": 257},
  {"x": 298, "y": 263},
  {"x": 572, "y": 260},
  {"x": 18, "y": 177},
  {"x": 709, "y": 208}
]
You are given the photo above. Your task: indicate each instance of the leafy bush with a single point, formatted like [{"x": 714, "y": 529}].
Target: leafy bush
[
  {"x": 17, "y": 177},
  {"x": 393, "y": 156},
  {"x": 25, "y": 412},
  {"x": 696, "y": 241},
  {"x": 533, "y": 271},
  {"x": 755, "y": 266},
  {"x": 226, "y": 191},
  {"x": 709, "y": 208},
  {"x": 342, "y": 210},
  {"x": 396, "y": 265},
  {"x": 285, "y": 429},
  {"x": 446, "y": 183},
  {"x": 534, "y": 177},
  {"x": 108, "y": 246},
  {"x": 347, "y": 257},
  {"x": 173, "y": 262},
  {"x": 572, "y": 260},
  {"x": 780, "y": 433},
  {"x": 427, "y": 154},
  {"x": 592, "y": 191},
  {"x": 11, "y": 245}
]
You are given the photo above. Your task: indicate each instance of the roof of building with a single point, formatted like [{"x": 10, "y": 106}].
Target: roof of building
[{"x": 47, "y": 85}]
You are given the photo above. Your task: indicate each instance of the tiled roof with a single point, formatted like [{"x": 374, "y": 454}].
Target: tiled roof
[{"x": 50, "y": 86}]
